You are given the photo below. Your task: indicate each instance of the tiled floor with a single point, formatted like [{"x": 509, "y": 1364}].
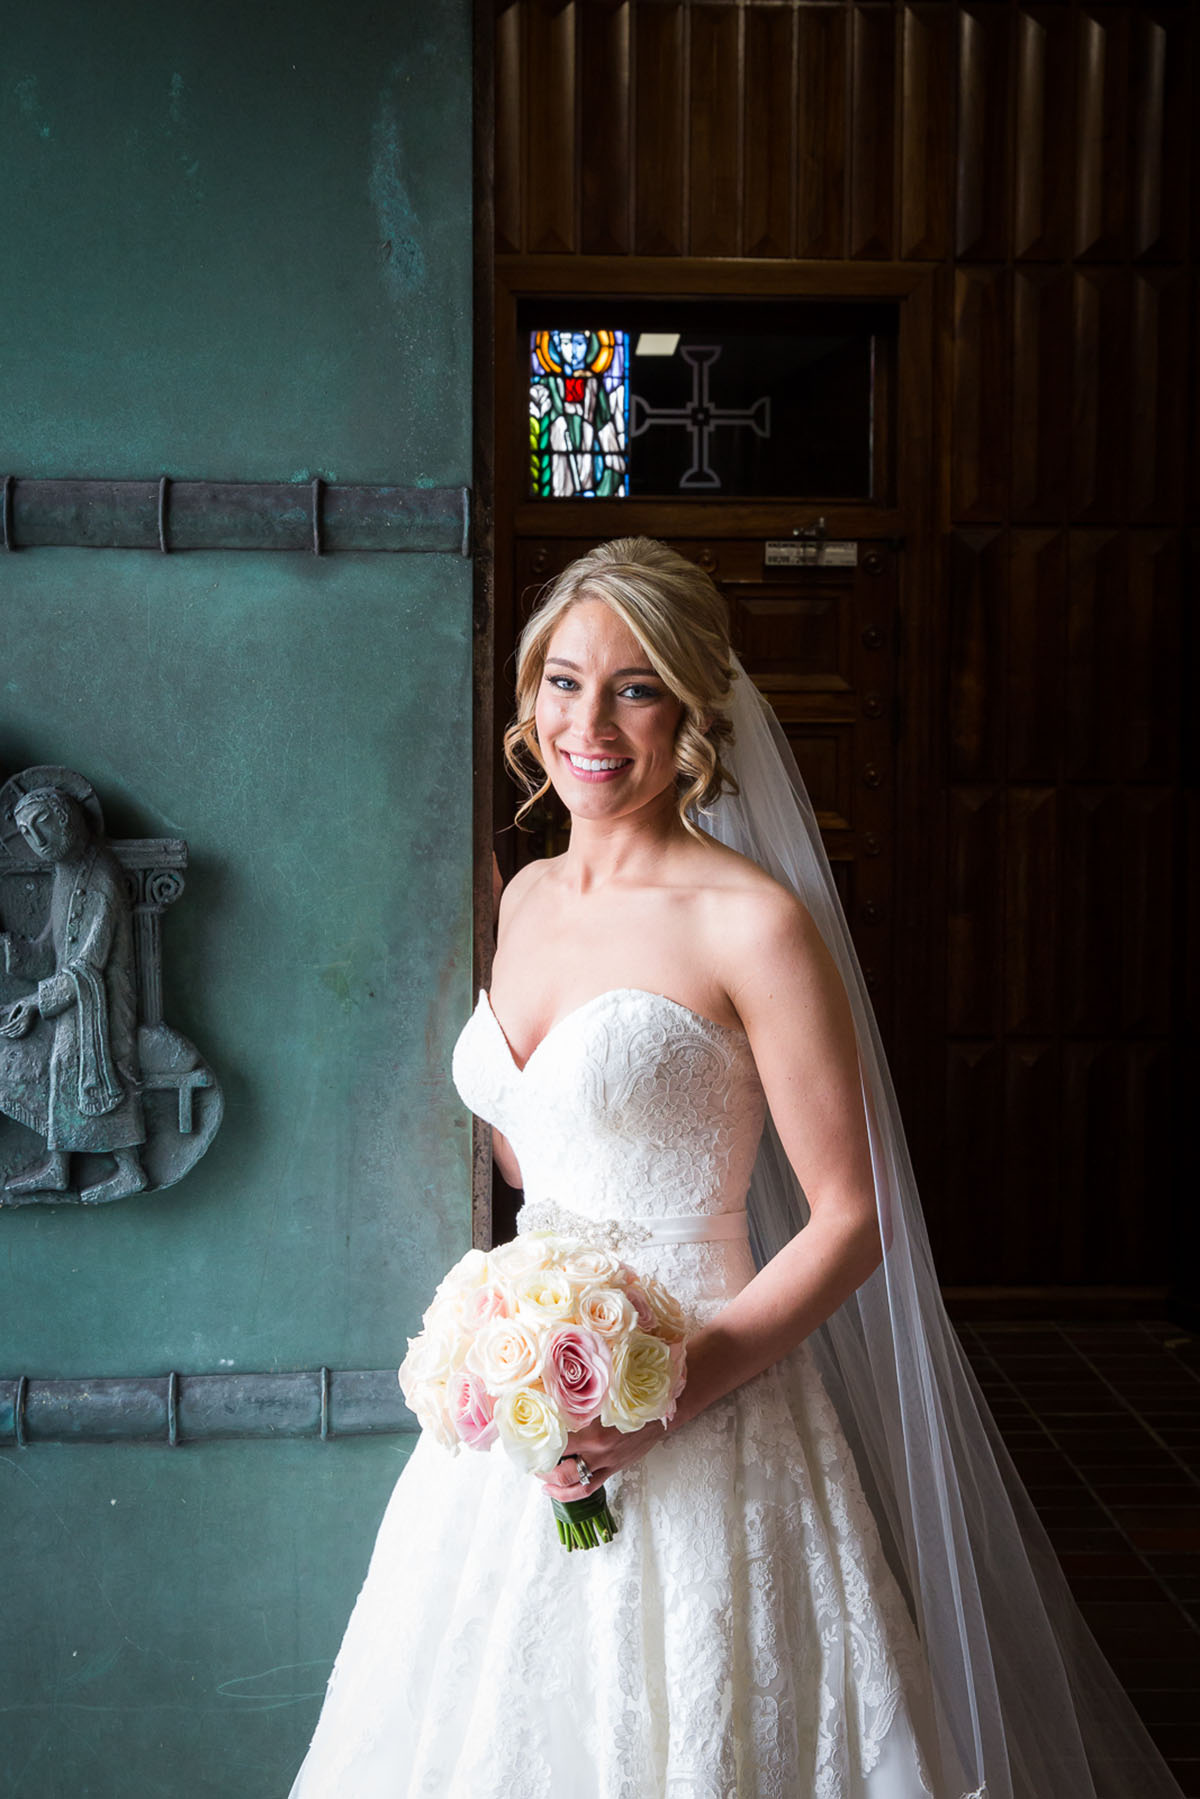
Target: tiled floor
[{"x": 1103, "y": 1420}]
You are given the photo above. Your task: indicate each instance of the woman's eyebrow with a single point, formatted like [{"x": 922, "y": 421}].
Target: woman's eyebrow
[{"x": 562, "y": 662}]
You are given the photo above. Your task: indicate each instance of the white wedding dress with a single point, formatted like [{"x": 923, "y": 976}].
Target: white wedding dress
[{"x": 742, "y": 1637}]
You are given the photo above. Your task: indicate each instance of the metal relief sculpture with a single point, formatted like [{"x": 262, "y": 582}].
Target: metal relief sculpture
[{"x": 120, "y": 1102}]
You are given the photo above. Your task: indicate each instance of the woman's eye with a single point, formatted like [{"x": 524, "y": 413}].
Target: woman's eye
[
  {"x": 563, "y": 683},
  {"x": 638, "y": 691}
]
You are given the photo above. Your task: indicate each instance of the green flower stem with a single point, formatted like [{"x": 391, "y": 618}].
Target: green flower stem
[{"x": 584, "y": 1523}]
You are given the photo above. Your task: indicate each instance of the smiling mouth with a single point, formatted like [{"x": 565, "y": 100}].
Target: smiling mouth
[{"x": 595, "y": 765}]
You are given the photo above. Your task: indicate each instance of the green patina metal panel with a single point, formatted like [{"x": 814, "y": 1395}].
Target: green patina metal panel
[{"x": 238, "y": 248}]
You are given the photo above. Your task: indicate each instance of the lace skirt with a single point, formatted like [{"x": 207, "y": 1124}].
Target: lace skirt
[{"x": 742, "y": 1637}]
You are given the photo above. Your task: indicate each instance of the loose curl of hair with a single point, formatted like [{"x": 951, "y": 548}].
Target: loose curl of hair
[{"x": 681, "y": 622}]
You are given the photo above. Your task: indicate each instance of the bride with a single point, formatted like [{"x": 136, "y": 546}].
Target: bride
[{"x": 828, "y": 1582}]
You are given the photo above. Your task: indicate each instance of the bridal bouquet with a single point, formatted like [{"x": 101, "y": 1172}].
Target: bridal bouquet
[{"x": 542, "y": 1336}]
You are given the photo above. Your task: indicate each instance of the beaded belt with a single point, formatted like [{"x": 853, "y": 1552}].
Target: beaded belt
[{"x": 615, "y": 1234}]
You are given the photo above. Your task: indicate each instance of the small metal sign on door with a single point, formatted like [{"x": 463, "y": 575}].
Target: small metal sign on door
[{"x": 798, "y": 552}]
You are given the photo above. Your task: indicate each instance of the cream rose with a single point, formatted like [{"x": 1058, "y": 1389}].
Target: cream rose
[
  {"x": 586, "y": 1267},
  {"x": 606, "y": 1311},
  {"x": 428, "y": 1400},
  {"x": 640, "y": 1387},
  {"x": 505, "y": 1353},
  {"x": 544, "y": 1296},
  {"x": 433, "y": 1355},
  {"x": 531, "y": 1429},
  {"x": 519, "y": 1256},
  {"x": 668, "y": 1313}
]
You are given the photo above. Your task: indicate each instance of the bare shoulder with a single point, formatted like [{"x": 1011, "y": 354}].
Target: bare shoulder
[
  {"x": 760, "y": 940},
  {"x": 523, "y": 888},
  {"x": 746, "y": 908}
]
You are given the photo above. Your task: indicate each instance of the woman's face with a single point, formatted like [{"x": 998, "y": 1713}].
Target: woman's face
[{"x": 606, "y": 723}]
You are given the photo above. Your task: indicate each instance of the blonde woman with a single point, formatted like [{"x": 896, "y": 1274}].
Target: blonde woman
[{"x": 827, "y": 1582}]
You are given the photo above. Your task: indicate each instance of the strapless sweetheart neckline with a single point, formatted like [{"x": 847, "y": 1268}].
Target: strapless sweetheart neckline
[{"x": 588, "y": 1005}]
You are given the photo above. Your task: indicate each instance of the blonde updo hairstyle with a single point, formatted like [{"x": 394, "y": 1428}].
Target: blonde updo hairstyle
[{"x": 680, "y": 620}]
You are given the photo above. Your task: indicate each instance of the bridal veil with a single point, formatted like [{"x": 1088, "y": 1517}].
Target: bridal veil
[{"x": 1027, "y": 1706}]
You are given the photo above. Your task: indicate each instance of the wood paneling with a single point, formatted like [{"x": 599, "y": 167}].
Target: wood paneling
[
  {"x": 1041, "y": 391},
  {"x": 1102, "y": 132},
  {"x": 1030, "y": 1206},
  {"x": 1031, "y": 923},
  {"x": 926, "y": 129},
  {"x": 1037, "y": 608},
  {"x": 1090, "y": 952},
  {"x": 1102, "y": 396},
  {"x": 981, "y": 207},
  {"x": 978, "y": 607},
  {"x": 551, "y": 82},
  {"x": 1044, "y": 136},
  {"x": 821, "y": 82},
  {"x": 509, "y": 135},
  {"x": 1096, "y": 672},
  {"x": 980, "y": 466},
  {"x": 660, "y": 103},
  {"x": 714, "y": 135},
  {"x": 975, "y": 912},
  {"x": 769, "y": 130},
  {"x": 1158, "y": 440},
  {"x": 872, "y": 145},
  {"x": 606, "y": 196}
]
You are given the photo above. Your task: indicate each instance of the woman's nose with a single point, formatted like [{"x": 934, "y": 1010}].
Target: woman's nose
[{"x": 597, "y": 713}]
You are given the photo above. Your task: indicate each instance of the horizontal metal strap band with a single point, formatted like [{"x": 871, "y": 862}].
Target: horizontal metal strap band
[
  {"x": 197, "y": 1408},
  {"x": 167, "y": 515}
]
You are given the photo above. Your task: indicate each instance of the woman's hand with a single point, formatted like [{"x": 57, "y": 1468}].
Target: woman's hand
[{"x": 605, "y": 1450}]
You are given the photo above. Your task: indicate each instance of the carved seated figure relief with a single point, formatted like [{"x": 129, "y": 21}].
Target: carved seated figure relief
[{"x": 120, "y": 1101}]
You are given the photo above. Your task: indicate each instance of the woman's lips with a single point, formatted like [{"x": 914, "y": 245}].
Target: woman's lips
[{"x": 595, "y": 768}]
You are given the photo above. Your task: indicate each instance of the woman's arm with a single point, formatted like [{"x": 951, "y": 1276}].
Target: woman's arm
[
  {"x": 502, "y": 1154},
  {"x": 793, "y": 1006}
]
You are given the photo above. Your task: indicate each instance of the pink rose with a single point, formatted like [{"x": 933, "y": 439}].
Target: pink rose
[
  {"x": 471, "y": 1408},
  {"x": 575, "y": 1371},
  {"x": 486, "y": 1302},
  {"x": 636, "y": 1295}
]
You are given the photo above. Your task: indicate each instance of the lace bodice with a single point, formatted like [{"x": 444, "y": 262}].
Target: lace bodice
[{"x": 631, "y": 1108}]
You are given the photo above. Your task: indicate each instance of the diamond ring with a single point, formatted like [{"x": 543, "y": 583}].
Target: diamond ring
[{"x": 586, "y": 1477}]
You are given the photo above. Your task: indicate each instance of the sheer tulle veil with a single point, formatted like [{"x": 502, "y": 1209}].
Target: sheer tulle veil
[{"x": 1027, "y": 1707}]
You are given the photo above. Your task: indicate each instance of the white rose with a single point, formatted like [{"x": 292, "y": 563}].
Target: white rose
[
  {"x": 428, "y": 1400},
  {"x": 590, "y": 1267},
  {"x": 469, "y": 1271},
  {"x": 668, "y": 1313},
  {"x": 520, "y": 1256},
  {"x": 606, "y": 1311},
  {"x": 531, "y": 1429},
  {"x": 431, "y": 1356},
  {"x": 545, "y": 1296},
  {"x": 643, "y": 1374},
  {"x": 505, "y": 1353}
]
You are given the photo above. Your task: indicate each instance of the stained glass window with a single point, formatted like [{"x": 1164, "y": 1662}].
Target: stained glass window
[
  {"x": 711, "y": 398},
  {"x": 579, "y": 414}
]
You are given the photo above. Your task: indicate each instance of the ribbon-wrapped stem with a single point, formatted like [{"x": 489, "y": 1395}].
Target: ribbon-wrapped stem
[{"x": 584, "y": 1523}]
